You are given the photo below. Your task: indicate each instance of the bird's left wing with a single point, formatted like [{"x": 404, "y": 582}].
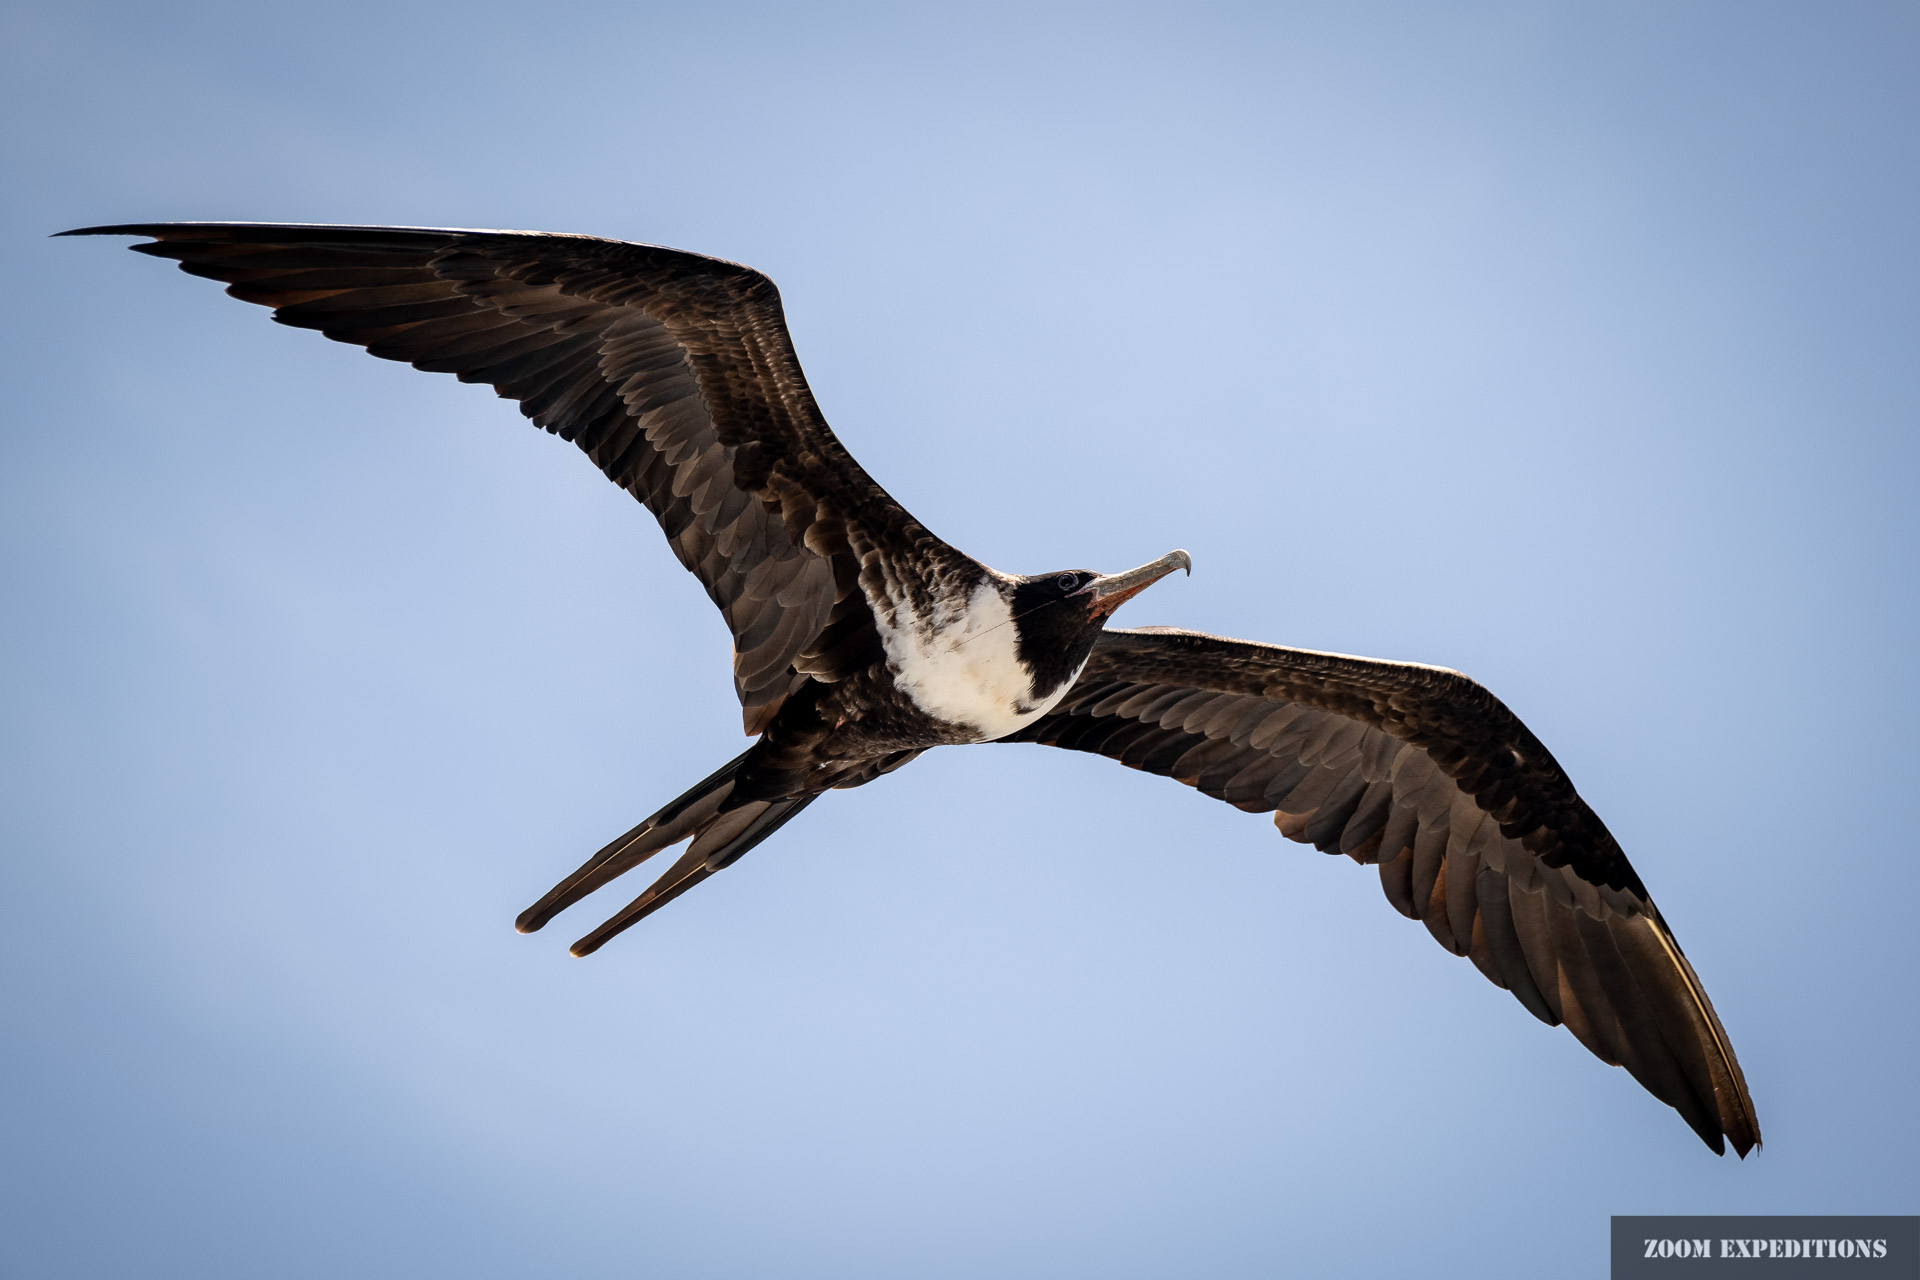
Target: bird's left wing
[
  {"x": 672, "y": 371},
  {"x": 1476, "y": 830}
]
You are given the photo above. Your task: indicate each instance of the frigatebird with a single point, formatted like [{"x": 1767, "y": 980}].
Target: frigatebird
[{"x": 861, "y": 640}]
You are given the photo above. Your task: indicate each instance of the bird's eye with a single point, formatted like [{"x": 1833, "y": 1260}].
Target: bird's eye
[{"x": 1068, "y": 581}]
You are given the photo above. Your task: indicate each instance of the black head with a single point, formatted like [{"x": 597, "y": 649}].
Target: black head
[
  {"x": 1055, "y": 626},
  {"x": 1059, "y": 615}
]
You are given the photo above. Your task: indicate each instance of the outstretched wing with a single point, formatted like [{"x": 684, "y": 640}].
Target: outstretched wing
[
  {"x": 673, "y": 372},
  {"x": 1476, "y": 831}
]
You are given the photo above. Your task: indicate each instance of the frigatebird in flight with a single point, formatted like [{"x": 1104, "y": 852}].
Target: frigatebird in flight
[{"x": 862, "y": 640}]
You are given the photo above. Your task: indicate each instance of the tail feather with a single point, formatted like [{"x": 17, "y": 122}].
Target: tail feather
[
  {"x": 718, "y": 846},
  {"x": 685, "y": 816}
]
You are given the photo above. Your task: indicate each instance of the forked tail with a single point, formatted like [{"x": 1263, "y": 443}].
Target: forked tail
[{"x": 720, "y": 836}]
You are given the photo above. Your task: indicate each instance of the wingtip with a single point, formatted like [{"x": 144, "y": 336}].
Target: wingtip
[{"x": 120, "y": 229}]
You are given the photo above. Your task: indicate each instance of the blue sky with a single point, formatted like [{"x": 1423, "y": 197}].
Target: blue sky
[{"x": 1571, "y": 346}]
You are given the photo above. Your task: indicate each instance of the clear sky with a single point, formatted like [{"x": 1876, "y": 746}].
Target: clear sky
[{"x": 1573, "y": 346}]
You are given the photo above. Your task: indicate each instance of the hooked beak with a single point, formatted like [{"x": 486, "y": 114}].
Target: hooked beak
[{"x": 1109, "y": 593}]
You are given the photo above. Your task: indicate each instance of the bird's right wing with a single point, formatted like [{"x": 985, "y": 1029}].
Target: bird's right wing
[
  {"x": 1476, "y": 830},
  {"x": 673, "y": 372}
]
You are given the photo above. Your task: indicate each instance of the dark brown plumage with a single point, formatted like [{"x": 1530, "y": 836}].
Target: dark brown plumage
[
  {"x": 672, "y": 372},
  {"x": 675, "y": 375},
  {"x": 1475, "y": 829}
]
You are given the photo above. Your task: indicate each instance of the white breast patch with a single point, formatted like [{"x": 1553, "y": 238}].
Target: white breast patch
[{"x": 963, "y": 666}]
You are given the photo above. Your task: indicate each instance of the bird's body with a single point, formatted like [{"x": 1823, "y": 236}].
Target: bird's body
[{"x": 862, "y": 640}]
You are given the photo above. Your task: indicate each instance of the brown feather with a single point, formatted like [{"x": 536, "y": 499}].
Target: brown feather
[
  {"x": 674, "y": 372},
  {"x": 1477, "y": 832}
]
